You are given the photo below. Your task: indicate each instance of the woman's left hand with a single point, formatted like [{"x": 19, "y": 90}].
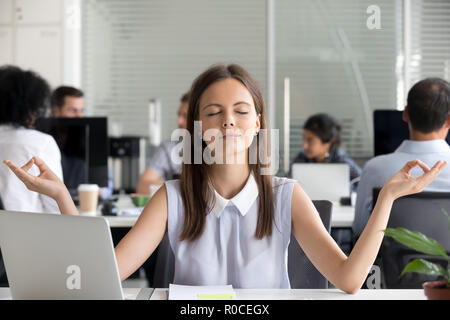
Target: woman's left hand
[{"x": 402, "y": 184}]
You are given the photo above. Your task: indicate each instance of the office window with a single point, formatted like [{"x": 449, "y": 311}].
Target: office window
[
  {"x": 336, "y": 64},
  {"x": 429, "y": 40},
  {"x": 135, "y": 50}
]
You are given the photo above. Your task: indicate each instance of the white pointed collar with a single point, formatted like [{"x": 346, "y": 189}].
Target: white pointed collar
[{"x": 242, "y": 201}]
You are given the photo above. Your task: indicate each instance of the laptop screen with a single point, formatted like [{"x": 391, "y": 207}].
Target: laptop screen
[{"x": 323, "y": 181}]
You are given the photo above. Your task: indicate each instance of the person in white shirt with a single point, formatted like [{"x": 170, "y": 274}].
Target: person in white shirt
[
  {"x": 427, "y": 115},
  {"x": 24, "y": 96},
  {"x": 230, "y": 222}
]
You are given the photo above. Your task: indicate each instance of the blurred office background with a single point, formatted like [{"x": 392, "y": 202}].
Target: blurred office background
[{"x": 321, "y": 54}]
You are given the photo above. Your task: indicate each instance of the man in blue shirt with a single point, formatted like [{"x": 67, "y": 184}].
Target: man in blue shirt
[{"x": 427, "y": 115}]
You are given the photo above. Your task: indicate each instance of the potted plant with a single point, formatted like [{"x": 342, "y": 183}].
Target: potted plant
[{"x": 434, "y": 290}]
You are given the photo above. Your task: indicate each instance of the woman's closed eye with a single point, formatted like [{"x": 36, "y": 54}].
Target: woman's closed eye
[{"x": 217, "y": 112}]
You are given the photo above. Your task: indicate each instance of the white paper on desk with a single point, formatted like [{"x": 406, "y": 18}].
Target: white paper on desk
[{"x": 180, "y": 292}]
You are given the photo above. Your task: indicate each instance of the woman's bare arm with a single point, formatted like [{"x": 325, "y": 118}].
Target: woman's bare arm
[
  {"x": 349, "y": 273},
  {"x": 140, "y": 242},
  {"x": 137, "y": 245}
]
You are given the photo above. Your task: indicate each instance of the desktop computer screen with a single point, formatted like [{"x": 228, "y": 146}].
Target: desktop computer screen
[
  {"x": 389, "y": 131},
  {"x": 84, "y": 147}
]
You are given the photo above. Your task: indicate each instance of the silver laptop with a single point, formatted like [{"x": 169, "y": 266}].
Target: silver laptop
[
  {"x": 323, "y": 181},
  {"x": 52, "y": 256}
]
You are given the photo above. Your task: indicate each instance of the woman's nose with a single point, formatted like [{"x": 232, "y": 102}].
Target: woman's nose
[{"x": 228, "y": 122}]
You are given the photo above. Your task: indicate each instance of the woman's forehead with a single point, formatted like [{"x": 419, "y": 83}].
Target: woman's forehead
[{"x": 225, "y": 92}]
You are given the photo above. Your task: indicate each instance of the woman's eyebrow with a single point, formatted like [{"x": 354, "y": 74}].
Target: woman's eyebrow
[
  {"x": 212, "y": 105},
  {"x": 241, "y": 102}
]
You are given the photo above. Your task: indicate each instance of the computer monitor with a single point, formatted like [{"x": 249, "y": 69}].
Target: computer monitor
[
  {"x": 84, "y": 148},
  {"x": 389, "y": 131}
]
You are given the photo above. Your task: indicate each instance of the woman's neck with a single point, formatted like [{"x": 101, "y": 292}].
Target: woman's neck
[{"x": 229, "y": 179}]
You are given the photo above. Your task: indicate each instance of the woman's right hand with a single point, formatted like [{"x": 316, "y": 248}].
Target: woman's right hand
[
  {"x": 402, "y": 183},
  {"x": 46, "y": 183}
]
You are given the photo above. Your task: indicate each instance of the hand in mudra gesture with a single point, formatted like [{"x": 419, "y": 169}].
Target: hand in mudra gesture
[
  {"x": 402, "y": 183},
  {"x": 47, "y": 182}
]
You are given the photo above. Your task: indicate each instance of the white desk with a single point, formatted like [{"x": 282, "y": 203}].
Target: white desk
[
  {"x": 129, "y": 293},
  {"x": 342, "y": 216},
  {"x": 288, "y": 294},
  {"x": 124, "y": 204}
]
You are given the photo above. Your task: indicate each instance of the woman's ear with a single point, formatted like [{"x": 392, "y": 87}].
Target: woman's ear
[{"x": 258, "y": 123}]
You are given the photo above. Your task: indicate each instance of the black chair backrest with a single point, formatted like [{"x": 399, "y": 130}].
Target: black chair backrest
[
  {"x": 3, "y": 280},
  {"x": 302, "y": 273},
  {"x": 418, "y": 212},
  {"x": 165, "y": 264}
]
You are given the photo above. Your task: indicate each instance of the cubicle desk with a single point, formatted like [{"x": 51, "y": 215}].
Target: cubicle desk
[
  {"x": 288, "y": 294},
  {"x": 342, "y": 216}
]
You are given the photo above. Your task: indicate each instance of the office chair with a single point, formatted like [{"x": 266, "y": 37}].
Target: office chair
[
  {"x": 302, "y": 273},
  {"x": 418, "y": 212},
  {"x": 3, "y": 278},
  {"x": 165, "y": 264}
]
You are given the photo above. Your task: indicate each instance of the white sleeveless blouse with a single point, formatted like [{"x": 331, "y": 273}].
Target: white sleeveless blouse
[{"x": 227, "y": 252}]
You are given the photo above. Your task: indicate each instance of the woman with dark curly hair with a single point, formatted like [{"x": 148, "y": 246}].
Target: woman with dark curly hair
[{"x": 24, "y": 97}]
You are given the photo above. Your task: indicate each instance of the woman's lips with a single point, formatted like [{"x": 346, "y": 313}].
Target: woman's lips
[{"x": 230, "y": 136}]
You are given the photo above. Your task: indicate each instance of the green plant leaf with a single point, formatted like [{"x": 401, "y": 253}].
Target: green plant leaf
[
  {"x": 425, "y": 267},
  {"x": 417, "y": 241}
]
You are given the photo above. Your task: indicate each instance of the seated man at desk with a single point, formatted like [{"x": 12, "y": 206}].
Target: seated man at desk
[
  {"x": 160, "y": 165},
  {"x": 427, "y": 115},
  {"x": 68, "y": 102}
]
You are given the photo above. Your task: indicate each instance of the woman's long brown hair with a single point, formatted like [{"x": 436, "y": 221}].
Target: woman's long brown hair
[{"x": 195, "y": 185}]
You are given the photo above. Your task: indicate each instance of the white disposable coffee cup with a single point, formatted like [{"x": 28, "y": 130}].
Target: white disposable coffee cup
[{"x": 88, "y": 197}]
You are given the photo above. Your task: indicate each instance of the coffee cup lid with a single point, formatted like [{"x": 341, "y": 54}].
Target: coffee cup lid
[{"x": 88, "y": 187}]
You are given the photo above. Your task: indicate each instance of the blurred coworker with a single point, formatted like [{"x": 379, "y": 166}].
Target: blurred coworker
[
  {"x": 160, "y": 166},
  {"x": 24, "y": 97},
  {"x": 428, "y": 116},
  {"x": 68, "y": 102},
  {"x": 321, "y": 140}
]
